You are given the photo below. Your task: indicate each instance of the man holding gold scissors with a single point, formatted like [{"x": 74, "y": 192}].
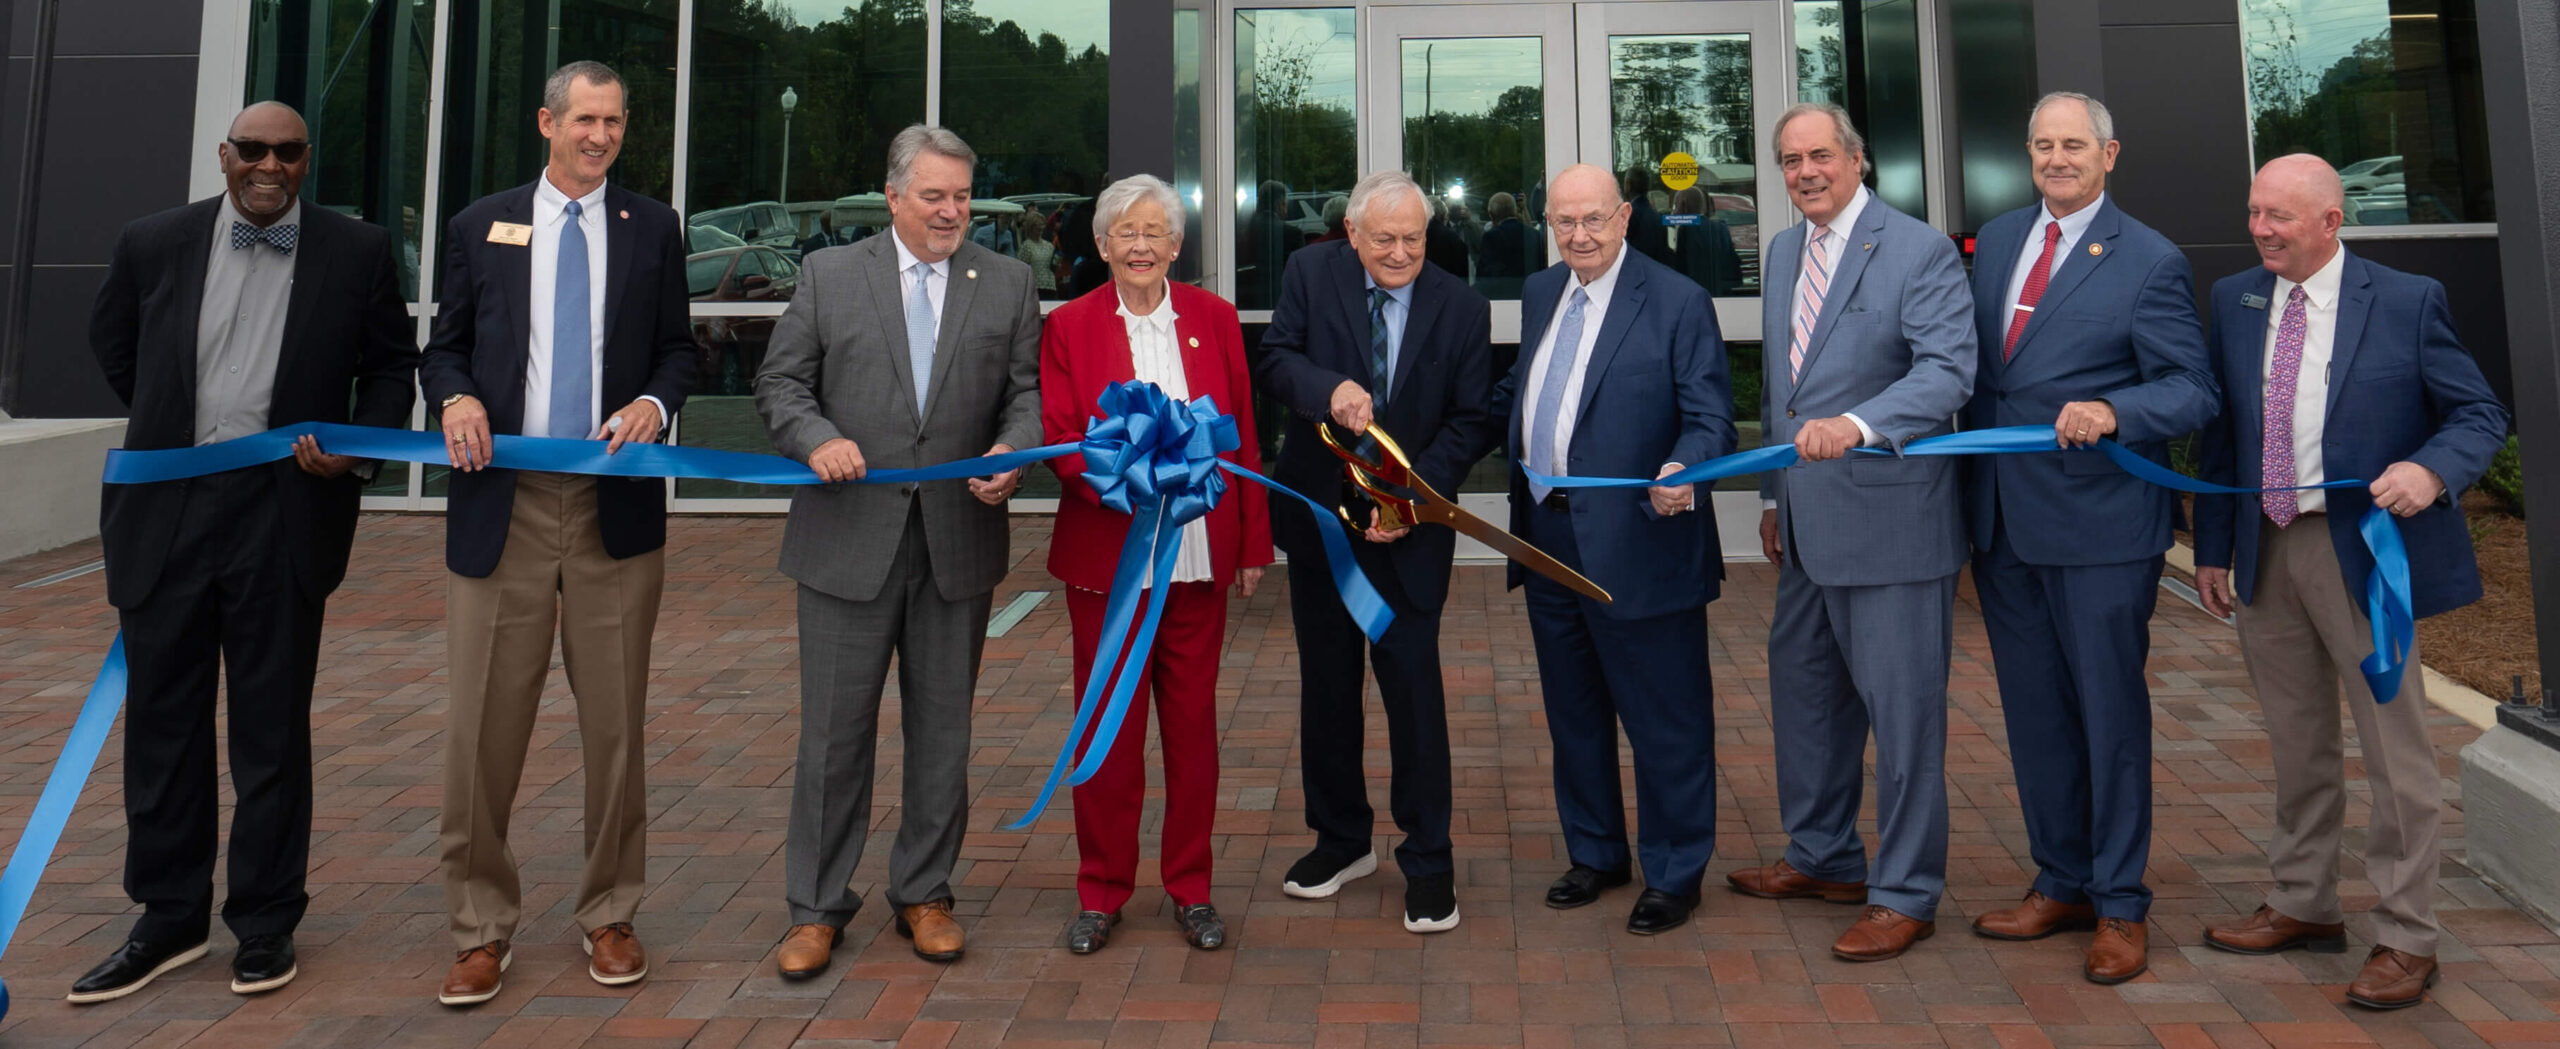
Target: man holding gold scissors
[{"x": 1366, "y": 333}]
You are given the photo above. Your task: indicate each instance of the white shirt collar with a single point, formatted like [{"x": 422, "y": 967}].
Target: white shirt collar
[
  {"x": 1847, "y": 219},
  {"x": 2073, "y": 225},
  {"x": 2322, "y": 287},
  {"x": 907, "y": 259},
  {"x": 549, "y": 201},
  {"x": 1161, "y": 320}
]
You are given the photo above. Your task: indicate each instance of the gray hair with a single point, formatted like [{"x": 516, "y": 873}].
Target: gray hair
[
  {"x": 924, "y": 138},
  {"x": 1848, "y": 132},
  {"x": 2101, "y": 122},
  {"x": 1119, "y": 197},
  {"x": 555, "y": 91},
  {"x": 1381, "y": 187}
]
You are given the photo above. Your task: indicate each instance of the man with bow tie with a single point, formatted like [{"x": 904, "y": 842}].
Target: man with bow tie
[{"x": 220, "y": 319}]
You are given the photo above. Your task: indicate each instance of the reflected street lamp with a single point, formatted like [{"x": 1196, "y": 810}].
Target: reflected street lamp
[{"x": 790, "y": 99}]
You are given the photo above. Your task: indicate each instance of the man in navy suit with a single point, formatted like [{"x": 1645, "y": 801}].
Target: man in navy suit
[
  {"x": 1870, "y": 307},
  {"x": 2089, "y": 323},
  {"x": 1366, "y": 330},
  {"x": 563, "y": 315},
  {"x": 2317, "y": 335},
  {"x": 1621, "y": 374}
]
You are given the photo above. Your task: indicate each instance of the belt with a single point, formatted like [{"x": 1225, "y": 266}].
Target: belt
[{"x": 1557, "y": 501}]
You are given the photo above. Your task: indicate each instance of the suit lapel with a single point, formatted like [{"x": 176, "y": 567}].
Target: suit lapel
[
  {"x": 960, "y": 290},
  {"x": 1855, "y": 249},
  {"x": 618, "y": 251},
  {"x": 194, "y": 252},
  {"x": 1778, "y": 264},
  {"x": 888, "y": 288},
  {"x": 310, "y": 283},
  {"x": 514, "y": 269},
  {"x": 2076, "y": 267},
  {"x": 2245, "y": 357},
  {"x": 1352, "y": 283},
  {"x": 1199, "y": 356},
  {"x": 1995, "y": 261},
  {"x": 2355, "y": 303},
  {"x": 1624, "y": 301},
  {"x": 1535, "y": 314},
  {"x": 1422, "y": 309}
]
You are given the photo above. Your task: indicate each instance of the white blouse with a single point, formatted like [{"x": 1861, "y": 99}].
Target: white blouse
[{"x": 1156, "y": 357}]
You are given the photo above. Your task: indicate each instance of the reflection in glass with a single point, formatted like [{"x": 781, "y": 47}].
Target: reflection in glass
[
  {"x": 1475, "y": 129},
  {"x": 358, "y": 73},
  {"x": 1689, "y": 94},
  {"x": 1028, "y": 83},
  {"x": 1870, "y": 65},
  {"x": 2388, "y": 91},
  {"x": 1187, "y": 176},
  {"x": 1295, "y": 139}
]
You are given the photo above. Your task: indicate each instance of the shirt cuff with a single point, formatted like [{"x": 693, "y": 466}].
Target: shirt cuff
[
  {"x": 1866, "y": 434},
  {"x": 1768, "y": 504}
]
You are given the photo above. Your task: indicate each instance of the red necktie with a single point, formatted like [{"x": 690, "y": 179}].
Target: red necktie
[{"x": 2034, "y": 291}]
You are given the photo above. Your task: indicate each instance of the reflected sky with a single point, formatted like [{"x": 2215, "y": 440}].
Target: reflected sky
[
  {"x": 1323, "y": 33},
  {"x": 1466, "y": 76},
  {"x": 2324, "y": 31},
  {"x": 1034, "y": 16}
]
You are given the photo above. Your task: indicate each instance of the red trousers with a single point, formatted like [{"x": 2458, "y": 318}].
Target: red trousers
[{"x": 1182, "y": 673}]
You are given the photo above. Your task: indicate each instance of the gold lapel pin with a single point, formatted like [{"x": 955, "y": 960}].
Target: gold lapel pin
[
  {"x": 626, "y": 214},
  {"x": 2094, "y": 249},
  {"x": 973, "y": 274},
  {"x": 1195, "y": 342},
  {"x": 1868, "y": 246}
]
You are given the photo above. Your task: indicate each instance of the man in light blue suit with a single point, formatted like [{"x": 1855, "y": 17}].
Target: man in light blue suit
[
  {"x": 1621, "y": 374},
  {"x": 1871, "y": 346},
  {"x": 2088, "y": 322},
  {"x": 2319, "y": 336}
]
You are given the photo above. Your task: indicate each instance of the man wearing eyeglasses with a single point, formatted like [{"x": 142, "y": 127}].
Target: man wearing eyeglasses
[
  {"x": 1621, "y": 374},
  {"x": 220, "y": 319},
  {"x": 1364, "y": 332}
]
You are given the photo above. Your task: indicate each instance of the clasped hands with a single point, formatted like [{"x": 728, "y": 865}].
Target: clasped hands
[{"x": 840, "y": 460}]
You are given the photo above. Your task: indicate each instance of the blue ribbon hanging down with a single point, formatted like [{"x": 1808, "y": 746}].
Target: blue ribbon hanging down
[
  {"x": 61, "y": 794},
  {"x": 2387, "y": 599}
]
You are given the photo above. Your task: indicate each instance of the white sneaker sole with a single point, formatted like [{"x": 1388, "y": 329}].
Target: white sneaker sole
[
  {"x": 1359, "y": 868},
  {"x": 475, "y": 999},
  {"x": 611, "y": 981},
  {"x": 1434, "y": 924},
  {"x": 263, "y": 986},
  {"x": 113, "y": 993}
]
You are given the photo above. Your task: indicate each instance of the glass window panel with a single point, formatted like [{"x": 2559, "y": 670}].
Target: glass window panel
[
  {"x": 1296, "y": 140},
  {"x": 1691, "y": 94},
  {"x": 1186, "y": 141},
  {"x": 357, "y": 70},
  {"x": 1028, "y": 83},
  {"x": 1474, "y": 137},
  {"x": 2388, "y": 91},
  {"x": 1870, "y": 65}
]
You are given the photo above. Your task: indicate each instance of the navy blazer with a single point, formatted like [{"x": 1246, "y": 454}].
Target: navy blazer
[
  {"x": 2117, "y": 323},
  {"x": 1655, "y": 391},
  {"x": 1438, "y": 411},
  {"x": 478, "y": 347},
  {"x": 2401, "y": 388}
]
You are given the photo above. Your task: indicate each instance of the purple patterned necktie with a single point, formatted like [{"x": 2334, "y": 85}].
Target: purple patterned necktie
[{"x": 2275, "y": 461}]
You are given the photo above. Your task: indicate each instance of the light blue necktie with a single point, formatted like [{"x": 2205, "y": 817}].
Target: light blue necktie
[
  {"x": 572, "y": 378},
  {"x": 920, "y": 332},
  {"x": 1542, "y": 426}
]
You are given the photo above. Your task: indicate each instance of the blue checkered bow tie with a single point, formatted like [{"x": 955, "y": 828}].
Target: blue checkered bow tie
[{"x": 282, "y": 235}]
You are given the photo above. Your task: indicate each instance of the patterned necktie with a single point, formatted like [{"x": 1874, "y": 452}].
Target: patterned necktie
[
  {"x": 920, "y": 324},
  {"x": 281, "y": 235},
  {"x": 1810, "y": 287},
  {"x": 2275, "y": 460},
  {"x": 1542, "y": 427},
  {"x": 1381, "y": 365},
  {"x": 2033, "y": 293},
  {"x": 572, "y": 345}
]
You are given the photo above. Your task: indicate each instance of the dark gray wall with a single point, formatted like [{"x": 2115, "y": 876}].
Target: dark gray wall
[
  {"x": 1141, "y": 88},
  {"x": 116, "y": 144},
  {"x": 2520, "y": 77}
]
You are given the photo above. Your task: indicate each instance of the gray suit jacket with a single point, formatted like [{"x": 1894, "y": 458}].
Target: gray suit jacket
[
  {"x": 1895, "y": 347},
  {"x": 837, "y": 367}
]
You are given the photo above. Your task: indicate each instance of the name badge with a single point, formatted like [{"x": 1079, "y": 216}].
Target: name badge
[
  {"x": 2255, "y": 302},
  {"x": 514, "y": 233}
]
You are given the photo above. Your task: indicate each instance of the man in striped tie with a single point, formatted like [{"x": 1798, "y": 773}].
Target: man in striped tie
[{"x": 1880, "y": 352}]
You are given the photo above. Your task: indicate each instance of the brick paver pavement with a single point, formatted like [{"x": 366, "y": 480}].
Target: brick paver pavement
[{"x": 1340, "y": 972}]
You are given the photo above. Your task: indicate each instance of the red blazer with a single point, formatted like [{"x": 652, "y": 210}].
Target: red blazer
[{"x": 1085, "y": 347}]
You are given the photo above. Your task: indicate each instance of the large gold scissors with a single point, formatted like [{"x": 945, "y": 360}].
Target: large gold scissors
[{"x": 1381, "y": 477}]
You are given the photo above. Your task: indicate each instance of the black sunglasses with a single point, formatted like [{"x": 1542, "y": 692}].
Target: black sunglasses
[{"x": 253, "y": 152}]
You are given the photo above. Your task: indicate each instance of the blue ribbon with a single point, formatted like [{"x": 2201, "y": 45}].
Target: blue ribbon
[
  {"x": 61, "y": 794},
  {"x": 2387, "y": 599}
]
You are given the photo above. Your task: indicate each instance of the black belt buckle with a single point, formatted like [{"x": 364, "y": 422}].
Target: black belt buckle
[{"x": 1556, "y": 501}]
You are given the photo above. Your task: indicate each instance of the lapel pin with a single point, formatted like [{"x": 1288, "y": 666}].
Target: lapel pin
[
  {"x": 626, "y": 214},
  {"x": 973, "y": 274},
  {"x": 1868, "y": 246},
  {"x": 1195, "y": 342},
  {"x": 2254, "y": 302},
  {"x": 2094, "y": 249}
]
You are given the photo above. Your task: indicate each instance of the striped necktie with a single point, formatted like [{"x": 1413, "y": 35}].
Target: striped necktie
[{"x": 1810, "y": 287}]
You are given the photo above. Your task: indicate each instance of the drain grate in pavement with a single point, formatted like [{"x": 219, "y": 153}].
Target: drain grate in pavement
[
  {"x": 67, "y": 573},
  {"x": 1013, "y": 611}
]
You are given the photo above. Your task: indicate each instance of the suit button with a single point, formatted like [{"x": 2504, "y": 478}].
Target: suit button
[
  {"x": 1791, "y": 413},
  {"x": 919, "y": 440}
]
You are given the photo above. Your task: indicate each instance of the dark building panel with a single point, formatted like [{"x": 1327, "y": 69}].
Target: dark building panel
[
  {"x": 2167, "y": 12},
  {"x": 1141, "y": 68},
  {"x": 21, "y": 16},
  {"x": 58, "y": 377},
  {"x": 2067, "y": 55},
  {"x": 2178, "y": 103},
  {"x": 107, "y": 163},
  {"x": 129, "y": 27},
  {"x": 1995, "y": 60},
  {"x": 14, "y": 83}
]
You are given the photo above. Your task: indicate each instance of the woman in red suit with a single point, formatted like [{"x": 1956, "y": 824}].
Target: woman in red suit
[{"x": 1143, "y": 326}]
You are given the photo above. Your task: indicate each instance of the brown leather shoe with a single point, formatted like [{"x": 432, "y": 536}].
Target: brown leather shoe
[
  {"x": 614, "y": 957},
  {"x": 2392, "y": 979},
  {"x": 2035, "y": 918},
  {"x": 2269, "y": 931},
  {"x": 806, "y": 949},
  {"x": 1880, "y": 934},
  {"x": 1781, "y": 881},
  {"x": 2118, "y": 952},
  {"x": 929, "y": 924},
  {"x": 474, "y": 977}
]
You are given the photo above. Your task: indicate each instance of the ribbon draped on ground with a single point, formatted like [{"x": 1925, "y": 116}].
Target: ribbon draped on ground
[{"x": 2386, "y": 590}]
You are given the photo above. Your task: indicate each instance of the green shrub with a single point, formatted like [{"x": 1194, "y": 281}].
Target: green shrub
[{"x": 2505, "y": 479}]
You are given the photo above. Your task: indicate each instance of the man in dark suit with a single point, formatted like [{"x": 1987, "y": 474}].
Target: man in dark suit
[
  {"x": 562, "y": 315},
  {"x": 1621, "y": 374},
  {"x": 1367, "y": 330},
  {"x": 1510, "y": 250},
  {"x": 2314, "y": 336},
  {"x": 221, "y": 319},
  {"x": 1645, "y": 231},
  {"x": 2094, "y": 330}
]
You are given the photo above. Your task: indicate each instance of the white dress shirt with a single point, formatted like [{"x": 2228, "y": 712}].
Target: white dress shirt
[
  {"x": 1156, "y": 356},
  {"x": 2311, "y": 384},
  {"x": 550, "y": 216},
  {"x": 2074, "y": 226},
  {"x": 1594, "y": 311},
  {"x": 936, "y": 283}
]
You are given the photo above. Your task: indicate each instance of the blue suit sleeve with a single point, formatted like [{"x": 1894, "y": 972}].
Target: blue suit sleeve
[
  {"x": 444, "y": 367},
  {"x": 1937, "y": 323},
  {"x": 2216, "y": 448},
  {"x": 2177, "y": 393},
  {"x": 2471, "y": 425},
  {"x": 1704, "y": 389}
]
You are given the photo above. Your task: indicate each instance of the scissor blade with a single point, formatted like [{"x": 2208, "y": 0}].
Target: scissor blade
[{"x": 1517, "y": 549}]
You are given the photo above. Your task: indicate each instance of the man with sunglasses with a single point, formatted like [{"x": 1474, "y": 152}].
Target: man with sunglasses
[{"x": 220, "y": 319}]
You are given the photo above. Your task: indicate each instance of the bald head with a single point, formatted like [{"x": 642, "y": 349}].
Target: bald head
[
  {"x": 269, "y": 116},
  {"x": 2296, "y": 206},
  {"x": 1588, "y": 218}
]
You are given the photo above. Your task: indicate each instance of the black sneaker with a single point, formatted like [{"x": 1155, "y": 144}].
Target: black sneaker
[
  {"x": 1431, "y": 903},
  {"x": 1321, "y": 874},
  {"x": 131, "y": 969},
  {"x": 263, "y": 963}
]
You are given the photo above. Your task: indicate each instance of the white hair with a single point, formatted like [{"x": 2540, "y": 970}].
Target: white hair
[
  {"x": 924, "y": 138},
  {"x": 1383, "y": 186},
  {"x": 2101, "y": 122},
  {"x": 1119, "y": 197}
]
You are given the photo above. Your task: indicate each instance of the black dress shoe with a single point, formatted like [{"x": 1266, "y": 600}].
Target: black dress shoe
[
  {"x": 1202, "y": 926},
  {"x": 1091, "y": 931},
  {"x": 263, "y": 963},
  {"x": 130, "y": 969},
  {"x": 1660, "y": 912},
  {"x": 1582, "y": 885}
]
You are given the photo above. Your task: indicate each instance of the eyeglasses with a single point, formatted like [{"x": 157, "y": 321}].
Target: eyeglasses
[
  {"x": 1594, "y": 223},
  {"x": 1130, "y": 237},
  {"x": 255, "y": 152},
  {"x": 1386, "y": 242}
]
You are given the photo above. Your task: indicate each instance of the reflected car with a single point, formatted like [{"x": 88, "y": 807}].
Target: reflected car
[
  {"x": 733, "y": 347},
  {"x": 764, "y": 222},
  {"x": 2370, "y": 175},
  {"x": 2378, "y": 209},
  {"x": 699, "y": 239}
]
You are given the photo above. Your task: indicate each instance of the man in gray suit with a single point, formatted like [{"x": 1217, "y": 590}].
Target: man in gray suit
[
  {"x": 899, "y": 351},
  {"x": 1877, "y": 324}
]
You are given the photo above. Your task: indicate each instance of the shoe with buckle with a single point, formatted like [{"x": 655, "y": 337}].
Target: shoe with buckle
[
  {"x": 807, "y": 949},
  {"x": 1431, "y": 903},
  {"x": 477, "y": 974},
  {"x": 936, "y": 934},
  {"x": 1091, "y": 931},
  {"x": 2392, "y": 979},
  {"x": 1782, "y": 881},
  {"x": 2118, "y": 953},
  {"x": 263, "y": 963},
  {"x": 1201, "y": 926},
  {"x": 614, "y": 957},
  {"x": 2270, "y": 930},
  {"x": 1320, "y": 874},
  {"x": 1879, "y": 934},
  {"x": 1583, "y": 885},
  {"x": 131, "y": 969},
  {"x": 2035, "y": 918}
]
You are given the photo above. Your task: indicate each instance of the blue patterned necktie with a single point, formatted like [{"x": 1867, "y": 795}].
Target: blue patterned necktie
[
  {"x": 572, "y": 344},
  {"x": 282, "y": 235},
  {"x": 1542, "y": 426},
  {"x": 920, "y": 331},
  {"x": 1381, "y": 363}
]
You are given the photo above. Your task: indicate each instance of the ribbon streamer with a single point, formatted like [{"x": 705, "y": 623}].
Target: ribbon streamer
[{"x": 61, "y": 795}]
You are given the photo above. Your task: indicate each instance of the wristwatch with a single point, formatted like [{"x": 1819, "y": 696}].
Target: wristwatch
[{"x": 448, "y": 402}]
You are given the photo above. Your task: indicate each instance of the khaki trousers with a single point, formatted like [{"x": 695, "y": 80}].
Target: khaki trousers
[
  {"x": 2303, "y": 637},
  {"x": 554, "y": 574}
]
